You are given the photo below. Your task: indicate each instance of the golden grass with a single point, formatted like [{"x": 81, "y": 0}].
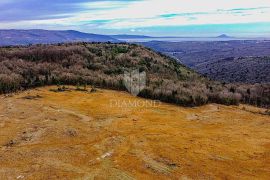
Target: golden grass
[{"x": 80, "y": 135}]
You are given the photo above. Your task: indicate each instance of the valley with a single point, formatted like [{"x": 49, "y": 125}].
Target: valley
[{"x": 234, "y": 61}]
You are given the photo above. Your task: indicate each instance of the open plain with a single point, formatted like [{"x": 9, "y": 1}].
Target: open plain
[{"x": 106, "y": 135}]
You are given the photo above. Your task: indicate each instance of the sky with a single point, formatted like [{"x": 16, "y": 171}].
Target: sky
[{"x": 241, "y": 18}]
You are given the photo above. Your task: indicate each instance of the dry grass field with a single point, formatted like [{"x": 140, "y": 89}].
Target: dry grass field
[{"x": 83, "y": 135}]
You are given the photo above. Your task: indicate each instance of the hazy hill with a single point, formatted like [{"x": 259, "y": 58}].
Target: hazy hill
[
  {"x": 37, "y": 36},
  {"x": 224, "y": 36},
  {"x": 103, "y": 65}
]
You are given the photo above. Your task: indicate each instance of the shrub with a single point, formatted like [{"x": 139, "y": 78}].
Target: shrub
[{"x": 10, "y": 83}]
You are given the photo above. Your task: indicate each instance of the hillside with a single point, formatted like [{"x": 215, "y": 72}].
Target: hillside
[
  {"x": 38, "y": 36},
  {"x": 204, "y": 56},
  {"x": 104, "y": 64},
  {"x": 82, "y": 135},
  {"x": 242, "y": 69}
]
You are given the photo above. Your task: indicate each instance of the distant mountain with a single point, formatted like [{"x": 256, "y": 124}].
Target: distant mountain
[
  {"x": 224, "y": 36},
  {"x": 127, "y": 36},
  {"x": 37, "y": 36}
]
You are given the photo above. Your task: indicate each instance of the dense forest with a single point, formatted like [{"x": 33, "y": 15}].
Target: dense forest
[{"x": 103, "y": 65}]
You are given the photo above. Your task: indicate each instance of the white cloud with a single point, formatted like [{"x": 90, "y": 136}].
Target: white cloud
[{"x": 147, "y": 13}]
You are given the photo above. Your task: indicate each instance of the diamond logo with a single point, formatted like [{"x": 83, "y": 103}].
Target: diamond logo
[{"x": 135, "y": 81}]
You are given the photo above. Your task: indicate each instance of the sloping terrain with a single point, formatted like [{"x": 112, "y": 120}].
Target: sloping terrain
[
  {"x": 100, "y": 135},
  {"x": 38, "y": 36},
  {"x": 244, "y": 69},
  {"x": 104, "y": 64},
  {"x": 215, "y": 55}
]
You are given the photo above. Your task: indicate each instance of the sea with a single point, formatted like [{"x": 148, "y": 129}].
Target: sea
[{"x": 183, "y": 39}]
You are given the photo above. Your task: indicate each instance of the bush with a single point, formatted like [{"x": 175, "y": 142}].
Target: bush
[{"x": 10, "y": 83}]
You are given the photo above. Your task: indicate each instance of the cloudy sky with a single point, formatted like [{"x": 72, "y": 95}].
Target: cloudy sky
[{"x": 150, "y": 17}]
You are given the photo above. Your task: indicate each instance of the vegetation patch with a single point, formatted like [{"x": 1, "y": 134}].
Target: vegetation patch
[
  {"x": 60, "y": 89},
  {"x": 32, "y": 97},
  {"x": 103, "y": 65}
]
